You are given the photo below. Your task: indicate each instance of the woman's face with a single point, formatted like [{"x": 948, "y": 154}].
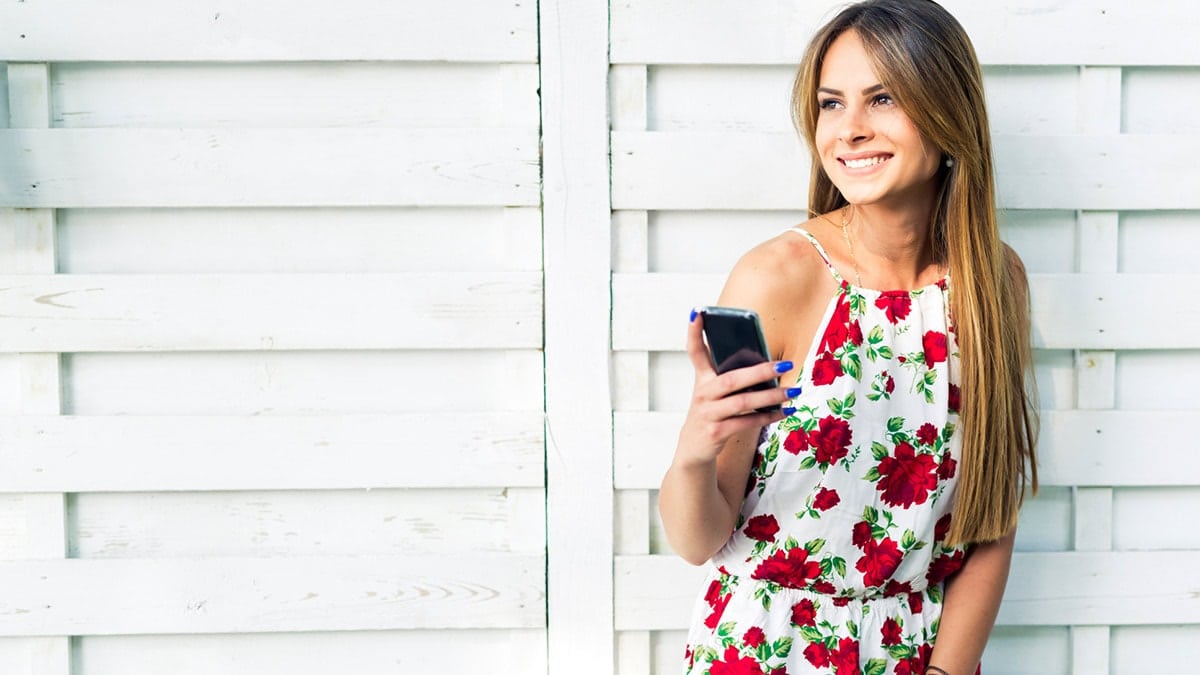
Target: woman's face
[{"x": 868, "y": 145}]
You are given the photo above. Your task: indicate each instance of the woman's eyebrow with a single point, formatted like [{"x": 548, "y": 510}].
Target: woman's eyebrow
[{"x": 865, "y": 92}]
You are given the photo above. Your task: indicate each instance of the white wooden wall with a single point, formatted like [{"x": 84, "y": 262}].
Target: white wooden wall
[
  {"x": 1093, "y": 111},
  {"x": 306, "y": 357},
  {"x": 271, "y": 325}
]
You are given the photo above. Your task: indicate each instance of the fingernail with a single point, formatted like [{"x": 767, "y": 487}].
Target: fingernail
[
  {"x": 793, "y": 392},
  {"x": 788, "y": 412},
  {"x": 783, "y": 366},
  {"x": 692, "y": 318}
]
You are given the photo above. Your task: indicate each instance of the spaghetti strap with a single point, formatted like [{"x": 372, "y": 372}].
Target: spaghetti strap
[{"x": 820, "y": 250}]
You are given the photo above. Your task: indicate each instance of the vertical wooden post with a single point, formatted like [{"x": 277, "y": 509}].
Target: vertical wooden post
[
  {"x": 577, "y": 227},
  {"x": 33, "y": 251},
  {"x": 1099, "y": 248}
]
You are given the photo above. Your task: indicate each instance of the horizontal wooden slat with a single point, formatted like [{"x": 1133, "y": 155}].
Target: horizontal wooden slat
[
  {"x": 1044, "y": 589},
  {"x": 234, "y": 595},
  {"x": 61, "y": 168},
  {"x": 154, "y": 454},
  {"x": 1070, "y": 311},
  {"x": 1076, "y": 447},
  {"x": 89, "y": 313},
  {"x": 269, "y": 30},
  {"x": 658, "y": 170},
  {"x": 777, "y": 31}
]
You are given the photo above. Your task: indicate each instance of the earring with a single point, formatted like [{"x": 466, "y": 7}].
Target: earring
[{"x": 949, "y": 161}]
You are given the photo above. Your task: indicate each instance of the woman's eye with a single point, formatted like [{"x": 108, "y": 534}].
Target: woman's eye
[
  {"x": 883, "y": 99},
  {"x": 828, "y": 104}
]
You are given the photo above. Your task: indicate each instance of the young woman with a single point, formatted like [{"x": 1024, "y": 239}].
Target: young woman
[{"x": 868, "y": 527}]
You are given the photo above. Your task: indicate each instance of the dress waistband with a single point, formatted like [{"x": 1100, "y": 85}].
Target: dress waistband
[{"x": 892, "y": 591}]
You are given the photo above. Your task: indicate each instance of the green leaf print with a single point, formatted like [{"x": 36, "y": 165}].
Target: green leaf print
[
  {"x": 853, "y": 629},
  {"x": 726, "y": 629},
  {"x": 772, "y": 451},
  {"x": 908, "y": 540},
  {"x": 808, "y": 462},
  {"x": 885, "y": 352},
  {"x": 792, "y": 423},
  {"x": 814, "y": 547},
  {"x": 878, "y": 450},
  {"x": 839, "y": 564},
  {"x": 852, "y": 364},
  {"x": 875, "y": 667},
  {"x": 763, "y": 652},
  {"x": 900, "y": 652},
  {"x": 783, "y": 647},
  {"x": 935, "y": 594},
  {"x": 876, "y": 335},
  {"x": 872, "y": 474},
  {"x": 895, "y": 424},
  {"x": 810, "y": 633},
  {"x": 870, "y": 514}
]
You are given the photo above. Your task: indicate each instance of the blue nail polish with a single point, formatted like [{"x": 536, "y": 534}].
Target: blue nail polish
[
  {"x": 788, "y": 412},
  {"x": 793, "y": 392},
  {"x": 783, "y": 366},
  {"x": 692, "y": 318}
]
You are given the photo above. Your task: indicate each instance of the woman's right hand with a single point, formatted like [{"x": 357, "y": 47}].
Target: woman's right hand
[{"x": 716, "y": 413}]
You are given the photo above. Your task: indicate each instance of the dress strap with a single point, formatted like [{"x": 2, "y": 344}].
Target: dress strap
[{"x": 820, "y": 250}]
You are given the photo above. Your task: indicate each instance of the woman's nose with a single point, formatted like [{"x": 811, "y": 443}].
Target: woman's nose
[{"x": 855, "y": 126}]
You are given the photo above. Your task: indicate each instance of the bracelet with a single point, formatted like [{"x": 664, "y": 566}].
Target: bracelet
[{"x": 935, "y": 670}]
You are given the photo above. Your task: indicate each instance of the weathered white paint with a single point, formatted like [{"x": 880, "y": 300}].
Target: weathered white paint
[
  {"x": 242, "y": 167},
  {"x": 1024, "y": 33},
  {"x": 279, "y": 311},
  {"x": 276, "y": 30}
]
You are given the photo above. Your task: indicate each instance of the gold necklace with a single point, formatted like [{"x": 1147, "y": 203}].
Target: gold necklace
[{"x": 850, "y": 246}]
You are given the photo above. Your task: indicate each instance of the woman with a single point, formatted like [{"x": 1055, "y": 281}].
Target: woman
[{"x": 868, "y": 527}]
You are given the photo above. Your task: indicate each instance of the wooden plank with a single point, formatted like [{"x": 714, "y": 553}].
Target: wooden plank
[
  {"x": 777, "y": 31},
  {"x": 1070, "y": 311},
  {"x": 376, "y": 652},
  {"x": 577, "y": 243},
  {"x": 95, "y": 454},
  {"x": 76, "y": 168},
  {"x": 1044, "y": 589},
  {"x": 219, "y": 595},
  {"x": 270, "y": 30},
  {"x": 1076, "y": 447},
  {"x": 706, "y": 170},
  {"x": 78, "y": 313}
]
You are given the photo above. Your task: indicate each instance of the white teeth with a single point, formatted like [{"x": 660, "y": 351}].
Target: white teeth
[{"x": 863, "y": 163}]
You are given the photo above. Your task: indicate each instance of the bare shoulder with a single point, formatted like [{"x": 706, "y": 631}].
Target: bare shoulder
[{"x": 785, "y": 280}]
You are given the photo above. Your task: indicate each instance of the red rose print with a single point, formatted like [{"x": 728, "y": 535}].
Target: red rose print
[
  {"x": 754, "y": 637},
  {"x": 841, "y": 601},
  {"x": 831, "y": 439},
  {"x": 879, "y": 561},
  {"x": 844, "y": 659},
  {"x": 942, "y": 528},
  {"x": 817, "y": 654},
  {"x": 955, "y": 398},
  {"x": 788, "y": 568},
  {"x": 927, "y": 434},
  {"x": 804, "y": 613},
  {"x": 916, "y": 602},
  {"x": 823, "y": 587},
  {"x": 907, "y": 477},
  {"x": 944, "y": 566},
  {"x": 838, "y": 328},
  {"x": 762, "y": 528},
  {"x": 935, "y": 348},
  {"x": 895, "y": 306},
  {"x": 891, "y": 632},
  {"x": 854, "y": 334},
  {"x": 735, "y": 664},
  {"x": 826, "y": 499},
  {"x": 860, "y": 535},
  {"x": 896, "y": 588},
  {"x": 713, "y": 593},
  {"x": 889, "y": 384},
  {"x": 826, "y": 369},
  {"x": 796, "y": 442},
  {"x": 946, "y": 468}
]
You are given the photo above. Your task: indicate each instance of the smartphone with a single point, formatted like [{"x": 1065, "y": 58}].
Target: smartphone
[{"x": 735, "y": 340}]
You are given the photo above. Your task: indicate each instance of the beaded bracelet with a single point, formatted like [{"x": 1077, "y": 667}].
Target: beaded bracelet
[{"x": 935, "y": 670}]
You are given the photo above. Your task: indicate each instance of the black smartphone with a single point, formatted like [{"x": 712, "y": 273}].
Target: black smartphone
[{"x": 735, "y": 340}]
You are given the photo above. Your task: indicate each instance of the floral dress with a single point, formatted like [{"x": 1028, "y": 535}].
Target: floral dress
[{"x": 837, "y": 562}]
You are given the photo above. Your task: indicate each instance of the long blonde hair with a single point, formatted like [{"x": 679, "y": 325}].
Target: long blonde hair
[{"x": 927, "y": 63}]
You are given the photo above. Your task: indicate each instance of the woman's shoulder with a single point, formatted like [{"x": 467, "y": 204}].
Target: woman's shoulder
[{"x": 787, "y": 263}]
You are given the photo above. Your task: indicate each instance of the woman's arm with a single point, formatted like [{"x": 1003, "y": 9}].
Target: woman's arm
[{"x": 970, "y": 605}]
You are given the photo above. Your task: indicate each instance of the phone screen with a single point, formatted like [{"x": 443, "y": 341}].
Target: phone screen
[{"x": 735, "y": 340}]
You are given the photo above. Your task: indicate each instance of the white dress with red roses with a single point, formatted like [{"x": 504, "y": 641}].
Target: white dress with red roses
[{"x": 838, "y": 561}]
